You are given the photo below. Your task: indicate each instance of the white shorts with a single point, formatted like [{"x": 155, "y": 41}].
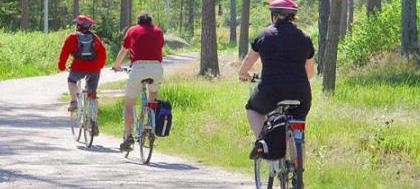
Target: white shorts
[{"x": 140, "y": 70}]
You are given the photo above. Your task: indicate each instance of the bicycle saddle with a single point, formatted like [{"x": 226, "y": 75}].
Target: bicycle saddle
[
  {"x": 148, "y": 81},
  {"x": 289, "y": 103}
]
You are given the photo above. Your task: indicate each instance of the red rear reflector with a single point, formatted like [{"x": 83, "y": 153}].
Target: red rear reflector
[
  {"x": 152, "y": 104},
  {"x": 294, "y": 124}
]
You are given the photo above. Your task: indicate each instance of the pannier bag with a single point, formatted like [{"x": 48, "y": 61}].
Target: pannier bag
[
  {"x": 163, "y": 118},
  {"x": 86, "y": 44},
  {"x": 271, "y": 144}
]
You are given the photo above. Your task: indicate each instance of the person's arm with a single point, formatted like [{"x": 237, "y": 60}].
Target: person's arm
[
  {"x": 309, "y": 67},
  {"x": 101, "y": 52},
  {"x": 247, "y": 64},
  {"x": 117, "y": 64},
  {"x": 64, "y": 54}
]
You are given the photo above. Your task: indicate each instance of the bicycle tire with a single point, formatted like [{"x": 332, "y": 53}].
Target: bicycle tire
[
  {"x": 76, "y": 125},
  {"x": 259, "y": 166},
  {"x": 298, "y": 174},
  {"x": 88, "y": 134},
  {"x": 146, "y": 142}
]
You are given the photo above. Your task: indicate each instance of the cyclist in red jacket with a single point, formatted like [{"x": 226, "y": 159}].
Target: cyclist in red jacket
[{"x": 89, "y": 57}]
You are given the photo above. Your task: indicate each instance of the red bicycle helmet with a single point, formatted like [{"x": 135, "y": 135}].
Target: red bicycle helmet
[
  {"x": 283, "y": 6},
  {"x": 84, "y": 21}
]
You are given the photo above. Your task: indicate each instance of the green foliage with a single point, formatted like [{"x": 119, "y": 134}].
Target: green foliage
[
  {"x": 29, "y": 54},
  {"x": 372, "y": 36}
]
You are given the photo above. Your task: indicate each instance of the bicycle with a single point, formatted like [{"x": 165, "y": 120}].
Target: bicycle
[
  {"x": 145, "y": 123},
  {"x": 289, "y": 169},
  {"x": 85, "y": 116}
]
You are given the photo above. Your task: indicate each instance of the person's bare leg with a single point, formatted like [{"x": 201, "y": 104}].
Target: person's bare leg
[
  {"x": 152, "y": 96},
  {"x": 256, "y": 121},
  {"x": 72, "y": 90},
  {"x": 128, "y": 116}
]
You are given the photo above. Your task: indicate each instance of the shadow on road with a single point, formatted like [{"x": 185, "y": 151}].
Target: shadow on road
[
  {"x": 172, "y": 166},
  {"x": 99, "y": 149}
]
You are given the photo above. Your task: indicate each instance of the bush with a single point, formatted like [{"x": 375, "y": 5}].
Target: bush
[{"x": 372, "y": 36}]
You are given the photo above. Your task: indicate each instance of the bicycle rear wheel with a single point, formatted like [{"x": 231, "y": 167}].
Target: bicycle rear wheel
[
  {"x": 146, "y": 140},
  {"x": 87, "y": 132},
  {"x": 298, "y": 173},
  {"x": 76, "y": 123},
  {"x": 264, "y": 175}
]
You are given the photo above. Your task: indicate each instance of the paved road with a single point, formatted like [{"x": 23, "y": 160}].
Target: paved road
[{"x": 37, "y": 150}]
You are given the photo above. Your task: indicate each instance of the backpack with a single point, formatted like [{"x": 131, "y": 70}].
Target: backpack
[
  {"x": 86, "y": 44},
  {"x": 163, "y": 118},
  {"x": 271, "y": 144}
]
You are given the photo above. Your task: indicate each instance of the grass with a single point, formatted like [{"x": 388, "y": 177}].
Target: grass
[{"x": 366, "y": 136}]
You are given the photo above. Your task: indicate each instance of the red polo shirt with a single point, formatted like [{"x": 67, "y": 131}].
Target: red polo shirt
[
  {"x": 70, "y": 47},
  {"x": 145, "y": 42}
]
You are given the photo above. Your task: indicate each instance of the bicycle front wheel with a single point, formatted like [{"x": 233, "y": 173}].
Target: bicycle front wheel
[
  {"x": 76, "y": 124},
  {"x": 264, "y": 175},
  {"x": 146, "y": 140},
  {"x": 87, "y": 132}
]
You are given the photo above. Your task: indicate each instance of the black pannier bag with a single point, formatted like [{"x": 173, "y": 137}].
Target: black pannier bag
[
  {"x": 271, "y": 144},
  {"x": 163, "y": 118}
]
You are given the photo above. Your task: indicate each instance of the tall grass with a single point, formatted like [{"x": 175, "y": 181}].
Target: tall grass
[
  {"x": 351, "y": 143},
  {"x": 25, "y": 54}
]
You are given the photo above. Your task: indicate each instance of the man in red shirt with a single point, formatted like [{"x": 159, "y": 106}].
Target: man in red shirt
[
  {"x": 89, "y": 57},
  {"x": 144, "y": 42}
]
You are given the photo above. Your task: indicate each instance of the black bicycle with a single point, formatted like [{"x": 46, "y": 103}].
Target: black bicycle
[{"x": 289, "y": 169}]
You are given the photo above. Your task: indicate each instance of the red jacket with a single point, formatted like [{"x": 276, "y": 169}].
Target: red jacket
[{"x": 70, "y": 46}]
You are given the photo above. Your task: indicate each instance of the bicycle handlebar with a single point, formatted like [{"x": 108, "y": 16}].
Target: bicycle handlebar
[{"x": 255, "y": 78}]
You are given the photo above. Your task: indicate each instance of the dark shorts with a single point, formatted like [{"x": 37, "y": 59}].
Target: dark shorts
[
  {"x": 264, "y": 99},
  {"x": 92, "y": 83}
]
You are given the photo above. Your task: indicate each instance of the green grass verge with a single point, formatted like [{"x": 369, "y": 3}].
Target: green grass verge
[{"x": 366, "y": 136}]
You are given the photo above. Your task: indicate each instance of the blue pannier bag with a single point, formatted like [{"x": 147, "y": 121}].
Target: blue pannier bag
[{"x": 163, "y": 118}]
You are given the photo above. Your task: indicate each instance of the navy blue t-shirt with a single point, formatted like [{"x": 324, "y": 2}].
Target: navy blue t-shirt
[{"x": 283, "y": 49}]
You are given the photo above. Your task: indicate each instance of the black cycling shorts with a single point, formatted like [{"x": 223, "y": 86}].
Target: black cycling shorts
[
  {"x": 265, "y": 98},
  {"x": 92, "y": 83}
]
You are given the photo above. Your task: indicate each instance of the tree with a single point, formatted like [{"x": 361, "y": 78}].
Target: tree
[
  {"x": 330, "y": 55},
  {"x": 373, "y": 6},
  {"x": 125, "y": 14},
  {"x": 45, "y": 11},
  {"x": 75, "y": 8},
  {"x": 190, "y": 21},
  {"x": 409, "y": 37},
  {"x": 324, "y": 12},
  {"x": 24, "y": 20},
  {"x": 351, "y": 15},
  {"x": 232, "y": 37},
  {"x": 209, "y": 60},
  {"x": 343, "y": 18},
  {"x": 243, "y": 37}
]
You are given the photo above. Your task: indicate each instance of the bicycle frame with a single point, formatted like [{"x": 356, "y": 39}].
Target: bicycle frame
[{"x": 144, "y": 109}]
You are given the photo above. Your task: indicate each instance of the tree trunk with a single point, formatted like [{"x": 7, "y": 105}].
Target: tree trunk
[
  {"x": 168, "y": 16},
  {"x": 75, "y": 8},
  {"x": 232, "y": 23},
  {"x": 243, "y": 38},
  {"x": 328, "y": 81},
  {"x": 45, "y": 16},
  {"x": 209, "y": 60},
  {"x": 190, "y": 21},
  {"x": 409, "y": 37},
  {"x": 373, "y": 6},
  {"x": 24, "y": 20},
  {"x": 343, "y": 18},
  {"x": 351, "y": 15},
  {"x": 181, "y": 17},
  {"x": 125, "y": 14},
  {"x": 324, "y": 12}
]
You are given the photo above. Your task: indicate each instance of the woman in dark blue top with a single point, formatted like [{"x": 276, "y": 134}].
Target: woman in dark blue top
[{"x": 287, "y": 64}]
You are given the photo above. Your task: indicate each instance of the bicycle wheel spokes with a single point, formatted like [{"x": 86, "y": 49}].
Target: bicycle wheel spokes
[
  {"x": 146, "y": 141},
  {"x": 76, "y": 124},
  {"x": 264, "y": 176},
  {"x": 88, "y": 133}
]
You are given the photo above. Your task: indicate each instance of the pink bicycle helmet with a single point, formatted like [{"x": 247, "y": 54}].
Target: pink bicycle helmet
[{"x": 283, "y": 7}]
